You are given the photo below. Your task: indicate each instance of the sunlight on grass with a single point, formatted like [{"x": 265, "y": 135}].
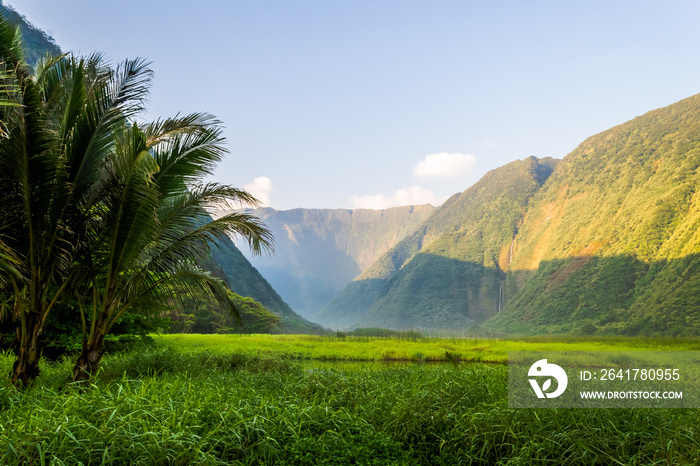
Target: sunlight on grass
[
  {"x": 413, "y": 349},
  {"x": 182, "y": 401}
]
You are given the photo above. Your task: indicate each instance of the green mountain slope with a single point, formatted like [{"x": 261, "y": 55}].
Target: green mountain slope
[
  {"x": 610, "y": 244},
  {"x": 319, "y": 251},
  {"x": 228, "y": 263},
  {"x": 36, "y": 42},
  {"x": 448, "y": 273}
]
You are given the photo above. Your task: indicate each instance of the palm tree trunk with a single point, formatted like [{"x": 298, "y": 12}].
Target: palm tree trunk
[
  {"x": 26, "y": 366},
  {"x": 92, "y": 351}
]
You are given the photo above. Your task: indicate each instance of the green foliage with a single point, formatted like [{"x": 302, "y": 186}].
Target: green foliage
[
  {"x": 62, "y": 332},
  {"x": 37, "y": 44},
  {"x": 107, "y": 216},
  {"x": 63, "y": 335},
  {"x": 227, "y": 263},
  {"x": 588, "y": 329},
  {"x": 206, "y": 316},
  {"x": 385, "y": 333},
  {"x": 447, "y": 274},
  {"x": 609, "y": 239},
  {"x": 158, "y": 406},
  {"x": 404, "y": 347},
  {"x": 614, "y": 235}
]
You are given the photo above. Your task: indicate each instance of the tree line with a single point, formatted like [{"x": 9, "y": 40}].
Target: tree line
[{"x": 101, "y": 215}]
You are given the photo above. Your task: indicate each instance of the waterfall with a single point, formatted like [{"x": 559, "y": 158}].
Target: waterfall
[
  {"x": 510, "y": 253},
  {"x": 499, "y": 300},
  {"x": 500, "y": 297}
]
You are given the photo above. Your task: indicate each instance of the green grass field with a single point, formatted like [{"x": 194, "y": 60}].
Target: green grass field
[
  {"x": 416, "y": 349},
  {"x": 212, "y": 400}
]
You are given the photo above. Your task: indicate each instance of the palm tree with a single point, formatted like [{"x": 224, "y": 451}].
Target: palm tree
[
  {"x": 58, "y": 128},
  {"x": 153, "y": 225},
  {"x": 95, "y": 204}
]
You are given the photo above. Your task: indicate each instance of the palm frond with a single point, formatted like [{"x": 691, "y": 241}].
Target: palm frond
[
  {"x": 108, "y": 105},
  {"x": 192, "y": 206},
  {"x": 161, "y": 130},
  {"x": 186, "y": 158},
  {"x": 130, "y": 219},
  {"x": 47, "y": 69},
  {"x": 130, "y": 87},
  {"x": 10, "y": 265},
  {"x": 186, "y": 283},
  {"x": 11, "y": 43}
]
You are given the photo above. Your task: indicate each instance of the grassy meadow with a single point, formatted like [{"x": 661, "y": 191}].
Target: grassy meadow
[
  {"x": 210, "y": 399},
  {"x": 350, "y": 348}
]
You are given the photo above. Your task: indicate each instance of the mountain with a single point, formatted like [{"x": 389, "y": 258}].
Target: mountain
[
  {"x": 319, "y": 251},
  {"x": 447, "y": 274},
  {"x": 228, "y": 263},
  {"x": 611, "y": 243},
  {"x": 608, "y": 243},
  {"x": 36, "y": 42}
]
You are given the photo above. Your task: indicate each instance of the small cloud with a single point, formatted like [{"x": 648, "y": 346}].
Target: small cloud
[
  {"x": 415, "y": 195},
  {"x": 445, "y": 164},
  {"x": 261, "y": 188},
  {"x": 487, "y": 144}
]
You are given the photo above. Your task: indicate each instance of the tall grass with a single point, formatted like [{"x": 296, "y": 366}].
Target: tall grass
[
  {"x": 163, "y": 406},
  {"x": 397, "y": 348}
]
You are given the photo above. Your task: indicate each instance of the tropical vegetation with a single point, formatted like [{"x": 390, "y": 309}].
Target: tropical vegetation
[
  {"x": 406, "y": 346},
  {"x": 163, "y": 406},
  {"x": 229, "y": 264},
  {"x": 447, "y": 274},
  {"x": 102, "y": 215},
  {"x": 603, "y": 242},
  {"x": 205, "y": 317}
]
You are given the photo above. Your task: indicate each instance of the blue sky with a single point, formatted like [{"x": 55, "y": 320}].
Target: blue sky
[{"x": 331, "y": 104}]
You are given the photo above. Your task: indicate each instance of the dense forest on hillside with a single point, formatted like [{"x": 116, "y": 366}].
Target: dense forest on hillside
[
  {"x": 608, "y": 244},
  {"x": 37, "y": 44},
  {"x": 611, "y": 242},
  {"x": 448, "y": 273},
  {"x": 603, "y": 242}
]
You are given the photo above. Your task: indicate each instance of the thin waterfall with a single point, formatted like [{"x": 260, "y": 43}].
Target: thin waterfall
[
  {"x": 499, "y": 301},
  {"x": 500, "y": 297},
  {"x": 510, "y": 254}
]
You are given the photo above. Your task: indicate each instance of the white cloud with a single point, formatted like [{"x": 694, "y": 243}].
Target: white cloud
[
  {"x": 445, "y": 164},
  {"x": 261, "y": 188},
  {"x": 415, "y": 195}
]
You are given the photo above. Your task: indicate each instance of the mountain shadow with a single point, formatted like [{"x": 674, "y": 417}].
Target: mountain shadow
[
  {"x": 451, "y": 264},
  {"x": 618, "y": 295},
  {"x": 436, "y": 292},
  {"x": 430, "y": 292}
]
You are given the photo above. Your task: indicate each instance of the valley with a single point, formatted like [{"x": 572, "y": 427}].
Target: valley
[
  {"x": 604, "y": 241},
  {"x": 151, "y": 315}
]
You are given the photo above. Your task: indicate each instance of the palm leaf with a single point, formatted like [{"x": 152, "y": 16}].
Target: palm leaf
[
  {"x": 186, "y": 283},
  {"x": 186, "y": 158},
  {"x": 161, "y": 130}
]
